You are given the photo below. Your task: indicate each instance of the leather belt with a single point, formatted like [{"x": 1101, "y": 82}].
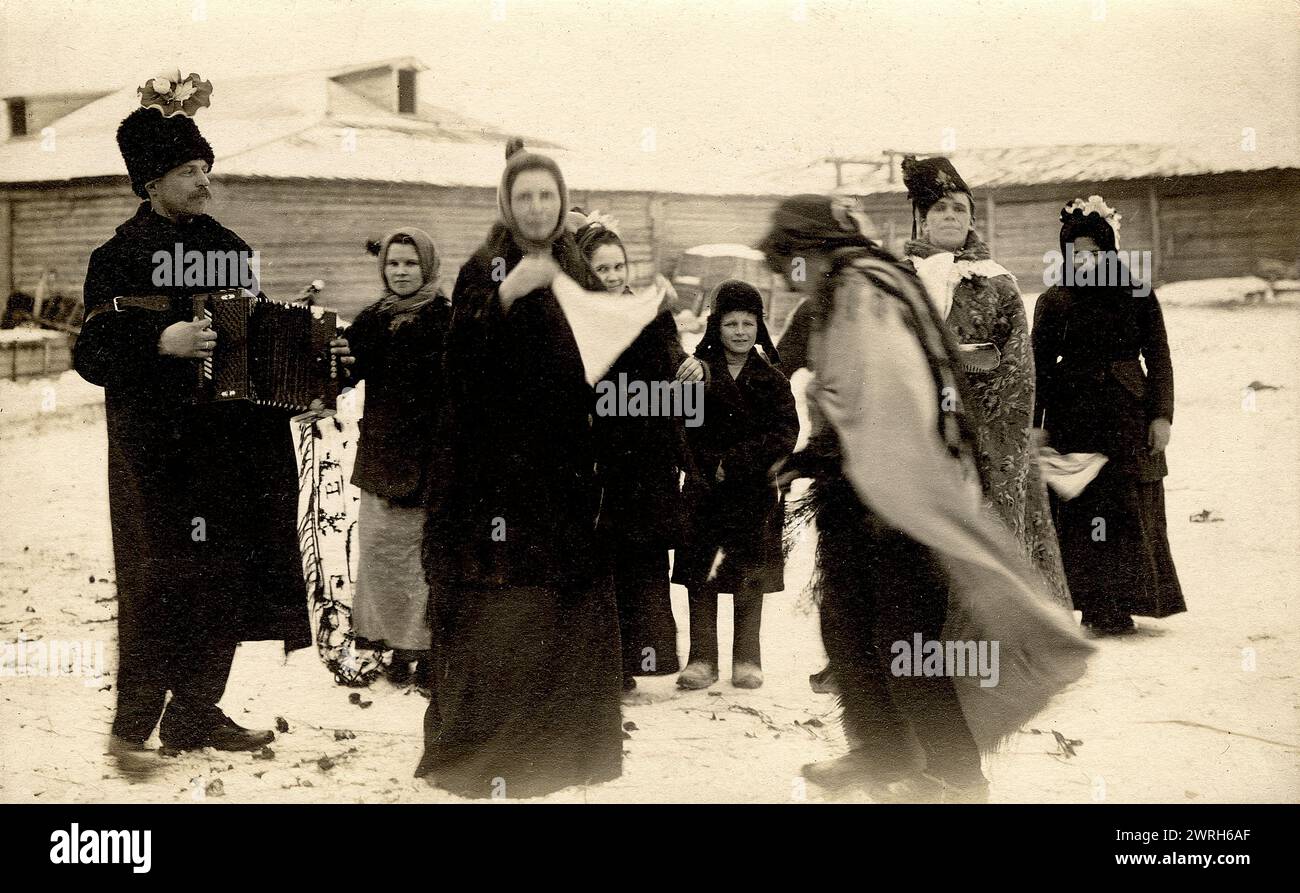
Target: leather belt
[{"x": 157, "y": 303}]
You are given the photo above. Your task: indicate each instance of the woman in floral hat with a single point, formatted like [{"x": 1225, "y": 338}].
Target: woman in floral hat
[
  {"x": 978, "y": 300},
  {"x": 1096, "y": 399}
]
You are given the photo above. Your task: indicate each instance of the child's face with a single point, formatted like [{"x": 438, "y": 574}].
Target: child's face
[
  {"x": 402, "y": 270},
  {"x": 739, "y": 331},
  {"x": 610, "y": 266}
]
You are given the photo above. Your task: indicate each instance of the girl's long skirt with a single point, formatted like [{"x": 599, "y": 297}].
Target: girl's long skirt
[
  {"x": 391, "y": 602},
  {"x": 527, "y": 692},
  {"x": 1115, "y": 548}
]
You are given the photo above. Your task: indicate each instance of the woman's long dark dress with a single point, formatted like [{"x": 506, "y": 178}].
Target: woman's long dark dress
[
  {"x": 526, "y": 634},
  {"x": 640, "y": 459},
  {"x": 1094, "y": 397}
]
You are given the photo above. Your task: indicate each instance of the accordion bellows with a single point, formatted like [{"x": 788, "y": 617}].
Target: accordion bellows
[{"x": 268, "y": 353}]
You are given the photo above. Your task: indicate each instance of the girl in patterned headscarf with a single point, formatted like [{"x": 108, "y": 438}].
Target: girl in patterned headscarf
[{"x": 398, "y": 343}]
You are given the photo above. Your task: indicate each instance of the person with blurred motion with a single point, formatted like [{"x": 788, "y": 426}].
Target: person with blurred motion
[
  {"x": 796, "y": 345},
  {"x": 906, "y": 550}
]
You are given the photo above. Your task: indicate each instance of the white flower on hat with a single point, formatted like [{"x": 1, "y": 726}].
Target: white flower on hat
[
  {"x": 164, "y": 82},
  {"x": 172, "y": 95},
  {"x": 607, "y": 221}
]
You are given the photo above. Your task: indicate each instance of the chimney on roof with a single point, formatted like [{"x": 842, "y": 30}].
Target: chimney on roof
[
  {"x": 406, "y": 91},
  {"x": 27, "y": 115},
  {"x": 390, "y": 85},
  {"x": 17, "y": 106}
]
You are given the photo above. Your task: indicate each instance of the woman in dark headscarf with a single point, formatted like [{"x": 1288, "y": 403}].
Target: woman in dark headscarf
[
  {"x": 1093, "y": 397},
  {"x": 398, "y": 344},
  {"x": 905, "y": 546},
  {"x": 979, "y": 302},
  {"x": 526, "y": 626},
  {"x": 734, "y": 544}
]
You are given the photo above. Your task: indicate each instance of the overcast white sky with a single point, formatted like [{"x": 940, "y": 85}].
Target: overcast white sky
[{"x": 763, "y": 81}]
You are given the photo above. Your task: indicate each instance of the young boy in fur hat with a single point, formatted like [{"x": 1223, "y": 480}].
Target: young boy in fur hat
[
  {"x": 734, "y": 545},
  {"x": 202, "y": 498}
]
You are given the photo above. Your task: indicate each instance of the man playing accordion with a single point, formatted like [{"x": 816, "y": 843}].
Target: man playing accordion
[{"x": 202, "y": 496}]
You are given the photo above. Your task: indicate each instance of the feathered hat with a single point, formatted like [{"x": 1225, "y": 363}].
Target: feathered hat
[
  {"x": 1092, "y": 218},
  {"x": 161, "y": 134},
  {"x": 928, "y": 180}
]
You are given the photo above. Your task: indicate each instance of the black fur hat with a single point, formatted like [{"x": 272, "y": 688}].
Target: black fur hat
[
  {"x": 930, "y": 179},
  {"x": 729, "y": 295},
  {"x": 152, "y": 145},
  {"x": 736, "y": 294}
]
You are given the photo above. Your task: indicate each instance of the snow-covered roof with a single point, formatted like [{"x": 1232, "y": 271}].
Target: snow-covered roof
[
  {"x": 991, "y": 168},
  {"x": 302, "y": 124},
  {"x": 313, "y": 125},
  {"x": 726, "y": 249}
]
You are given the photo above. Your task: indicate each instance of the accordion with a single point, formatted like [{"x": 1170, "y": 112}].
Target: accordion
[{"x": 268, "y": 353}]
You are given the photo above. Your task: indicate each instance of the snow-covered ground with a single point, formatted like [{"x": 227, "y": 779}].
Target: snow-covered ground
[
  {"x": 1197, "y": 708},
  {"x": 25, "y": 400}
]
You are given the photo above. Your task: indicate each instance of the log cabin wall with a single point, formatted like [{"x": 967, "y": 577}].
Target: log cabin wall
[
  {"x": 1197, "y": 227},
  {"x": 1207, "y": 226}
]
